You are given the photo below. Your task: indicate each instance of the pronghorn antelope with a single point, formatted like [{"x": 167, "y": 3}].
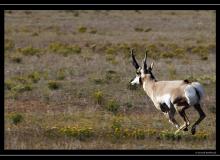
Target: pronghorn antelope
[{"x": 170, "y": 96}]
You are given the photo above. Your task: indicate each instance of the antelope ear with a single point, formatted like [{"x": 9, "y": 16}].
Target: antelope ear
[{"x": 151, "y": 66}]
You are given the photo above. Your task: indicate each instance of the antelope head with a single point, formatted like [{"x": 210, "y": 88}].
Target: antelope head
[{"x": 141, "y": 71}]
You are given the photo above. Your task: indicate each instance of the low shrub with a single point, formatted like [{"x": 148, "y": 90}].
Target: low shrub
[
  {"x": 52, "y": 132},
  {"x": 53, "y": 85},
  {"x": 93, "y": 31},
  {"x": 9, "y": 84},
  {"x": 147, "y": 29},
  {"x": 98, "y": 80},
  {"x": 35, "y": 76},
  {"x": 60, "y": 74},
  {"x": 9, "y": 45},
  {"x": 200, "y": 135},
  {"x": 17, "y": 58},
  {"x": 16, "y": 118},
  {"x": 23, "y": 87},
  {"x": 82, "y": 29},
  {"x": 111, "y": 51},
  {"x": 18, "y": 84},
  {"x": 112, "y": 106},
  {"x": 128, "y": 105},
  {"x": 171, "y": 71},
  {"x": 202, "y": 51},
  {"x": 98, "y": 97},
  {"x": 137, "y": 29}
]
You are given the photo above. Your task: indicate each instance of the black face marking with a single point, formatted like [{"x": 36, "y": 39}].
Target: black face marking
[{"x": 140, "y": 80}]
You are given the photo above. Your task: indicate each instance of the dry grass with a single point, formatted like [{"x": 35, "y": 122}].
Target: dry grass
[{"x": 67, "y": 78}]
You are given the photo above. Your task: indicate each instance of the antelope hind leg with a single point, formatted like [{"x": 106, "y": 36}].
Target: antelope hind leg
[{"x": 202, "y": 115}]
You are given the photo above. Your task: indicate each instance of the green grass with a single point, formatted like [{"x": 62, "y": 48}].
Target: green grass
[
  {"x": 112, "y": 76},
  {"x": 23, "y": 87},
  {"x": 79, "y": 132},
  {"x": 204, "y": 79},
  {"x": 64, "y": 49},
  {"x": 18, "y": 84},
  {"x": 111, "y": 51},
  {"x": 111, "y": 58},
  {"x": 29, "y": 51}
]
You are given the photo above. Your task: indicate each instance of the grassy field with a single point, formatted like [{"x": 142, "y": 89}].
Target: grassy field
[{"x": 67, "y": 78}]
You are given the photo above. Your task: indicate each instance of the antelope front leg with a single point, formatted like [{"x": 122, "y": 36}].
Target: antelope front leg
[
  {"x": 171, "y": 118},
  {"x": 186, "y": 121}
]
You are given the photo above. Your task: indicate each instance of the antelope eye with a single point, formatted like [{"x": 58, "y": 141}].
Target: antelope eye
[{"x": 138, "y": 72}]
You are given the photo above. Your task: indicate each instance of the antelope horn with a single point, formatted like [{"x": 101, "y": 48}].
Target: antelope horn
[
  {"x": 145, "y": 62},
  {"x": 134, "y": 62}
]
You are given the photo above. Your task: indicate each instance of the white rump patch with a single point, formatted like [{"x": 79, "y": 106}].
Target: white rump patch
[
  {"x": 199, "y": 88},
  {"x": 164, "y": 99},
  {"x": 190, "y": 93}
]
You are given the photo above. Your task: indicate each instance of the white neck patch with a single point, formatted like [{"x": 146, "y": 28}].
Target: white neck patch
[{"x": 135, "y": 80}]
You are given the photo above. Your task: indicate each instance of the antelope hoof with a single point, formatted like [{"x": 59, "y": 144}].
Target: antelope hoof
[
  {"x": 193, "y": 131},
  {"x": 185, "y": 129}
]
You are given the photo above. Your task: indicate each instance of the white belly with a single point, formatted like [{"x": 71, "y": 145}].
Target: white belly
[{"x": 164, "y": 99}]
